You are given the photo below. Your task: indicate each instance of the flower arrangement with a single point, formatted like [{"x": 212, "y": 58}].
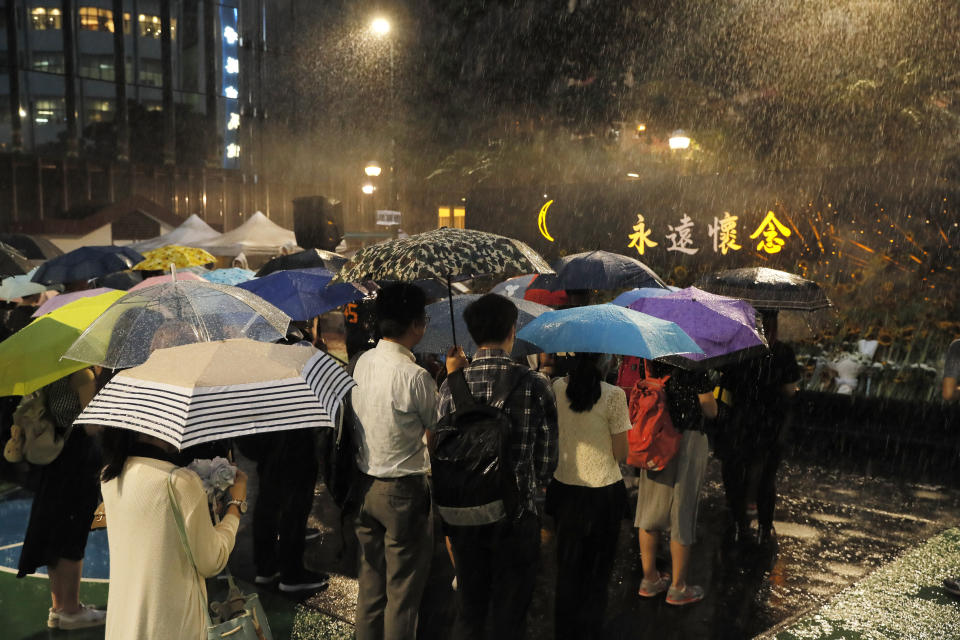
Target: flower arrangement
[{"x": 217, "y": 475}]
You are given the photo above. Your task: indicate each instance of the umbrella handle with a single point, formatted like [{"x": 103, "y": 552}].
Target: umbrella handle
[
  {"x": 453, "y": 324},
  {"x": 173, "y": 272}
]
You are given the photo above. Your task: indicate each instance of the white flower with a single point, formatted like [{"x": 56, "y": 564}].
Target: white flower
[{"x": 217, "y": 475}]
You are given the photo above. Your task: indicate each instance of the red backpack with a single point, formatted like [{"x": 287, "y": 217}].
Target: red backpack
[{"x": 653, "y": 440}]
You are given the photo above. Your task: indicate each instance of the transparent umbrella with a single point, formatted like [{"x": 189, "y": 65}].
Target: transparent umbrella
[{"x": 174, "y": 314}]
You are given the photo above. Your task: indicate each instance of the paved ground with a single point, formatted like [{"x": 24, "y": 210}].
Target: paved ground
[{"x": 836, "y": 529}]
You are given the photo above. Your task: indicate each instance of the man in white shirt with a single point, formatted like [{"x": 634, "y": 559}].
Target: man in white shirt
[{"x": 395, "y": 403}]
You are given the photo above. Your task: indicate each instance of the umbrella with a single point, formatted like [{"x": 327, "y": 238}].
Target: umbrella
[
  {"x": 725, "y": 328},
  {"x": 767, "y": 289},
  {"x": 31, "y": 356},
  {"x": 445, "y": 253},
  {"x": 198, "y": 393},
  {"x": 529, "y": 288},
  {"x": 180, "y": 257},
  {"x": 601, "y": 270},
  {"x": 120, "y": 280},
  {"x": 309, "y": 259},
  {"x": 303, "y": 294},
  {"x": 173, "y": 314},
  {"x": 66, "y": 298},
  {"x": 12, "y": 262},
  {"x": 627, "y": 298},
  {"x": 87, "y": 263},
  {"x": 20, "y": 287},
  {"x": 439, "y": 335},
  {"x": 32, "y": 247},
  {"x": 181, "y": 276},
  {"x": 607, "y": 328},
  {"x": 231, "y": 276}
]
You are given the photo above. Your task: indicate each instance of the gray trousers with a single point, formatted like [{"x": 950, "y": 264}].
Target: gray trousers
[{"x": 395, "y": 532}]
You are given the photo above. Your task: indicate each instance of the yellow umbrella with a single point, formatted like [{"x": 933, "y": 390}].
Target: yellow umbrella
[
  {"x": 31, "y": 356},
  {"x": 180, "y": 257}
]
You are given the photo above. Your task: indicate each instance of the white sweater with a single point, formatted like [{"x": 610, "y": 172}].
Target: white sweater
[{"x": 155, "y": 593}]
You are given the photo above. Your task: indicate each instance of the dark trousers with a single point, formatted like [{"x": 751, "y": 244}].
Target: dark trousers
[
  {"x": 395, "y": 531},
  {"x": 496, "y": 568},
  {"x": 287, "y": 476},
  {"x": 748, "y": 450},
  {"x": 588, "y": 525}
]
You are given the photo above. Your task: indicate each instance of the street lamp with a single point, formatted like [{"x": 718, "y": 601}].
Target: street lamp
[
  {"x": 679, "y": 140},
  {"x": 372, "y": 170},
  {"x": 380, "y": 26},
  {"x": 368, "y": 189}
]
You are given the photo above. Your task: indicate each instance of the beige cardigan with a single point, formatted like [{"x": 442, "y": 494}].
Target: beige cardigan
[{"x": 155, "y": 593}]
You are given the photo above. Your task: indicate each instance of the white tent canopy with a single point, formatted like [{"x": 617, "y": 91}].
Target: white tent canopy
[
  {"x": 258, "y": 234},
  {"x": 193, "y": 232}
]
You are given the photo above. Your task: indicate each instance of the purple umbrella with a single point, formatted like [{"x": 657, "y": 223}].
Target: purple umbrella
[
  {"x": 64, "y": 298},
  {"x": 725, "y": 328}
]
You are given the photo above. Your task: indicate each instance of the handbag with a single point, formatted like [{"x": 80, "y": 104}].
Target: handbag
[
  {"x": 240, "y": 616},
  {"x": 99, "y": 518}
]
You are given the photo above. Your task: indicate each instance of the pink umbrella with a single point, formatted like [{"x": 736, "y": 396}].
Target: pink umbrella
[
  {"x": 182, "y": 276},
  {"x": 58, "y": 301}
]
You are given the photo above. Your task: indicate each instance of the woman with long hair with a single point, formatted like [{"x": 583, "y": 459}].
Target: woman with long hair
[
  {"x": 156, "y": 589},
  {"x": 587, "y": 494}
]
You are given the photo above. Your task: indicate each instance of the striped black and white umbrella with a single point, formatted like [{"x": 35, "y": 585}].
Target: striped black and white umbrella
[{"x": 209, "y": 391}]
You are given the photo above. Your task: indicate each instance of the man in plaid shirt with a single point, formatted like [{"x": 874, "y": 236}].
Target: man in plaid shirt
[{"x": 497, "y": 563}]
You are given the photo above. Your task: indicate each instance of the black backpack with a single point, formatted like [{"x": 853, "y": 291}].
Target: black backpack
[{"x": 473, "y": 479}]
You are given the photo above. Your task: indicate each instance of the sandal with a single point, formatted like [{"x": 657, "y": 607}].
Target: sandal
[
  {"x": 653, "y": 588},
  {"x": 688, "y": 595}
]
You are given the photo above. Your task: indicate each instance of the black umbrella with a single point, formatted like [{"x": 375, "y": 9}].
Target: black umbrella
[
  {"x": 600, "y": 270},
  {"x": 87, "y": 263},
  {"x": 121, "y": 280},
  {"x": 34, "y": 247},
  {"x": 12, "y": 262},
  {"x": 767, "y": 289},
  {"x": 309, "y": 259}
]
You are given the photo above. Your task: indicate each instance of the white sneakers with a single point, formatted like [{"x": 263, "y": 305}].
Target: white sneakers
[{"x": 86, "y": 617}]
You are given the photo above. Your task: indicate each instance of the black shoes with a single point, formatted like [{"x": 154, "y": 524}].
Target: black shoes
[{"x": 304, "y": 580}]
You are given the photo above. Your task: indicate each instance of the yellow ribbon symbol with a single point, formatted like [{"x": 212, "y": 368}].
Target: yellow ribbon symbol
[{"x": 542, "y": 220}]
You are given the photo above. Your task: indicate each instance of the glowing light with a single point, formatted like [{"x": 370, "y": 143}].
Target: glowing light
[
  {"x": 641, "y": 127},
  {"x": 633, "y": 175},
  {"x": 232, "y": 66},
  {"x": 233, "y": 150},
  {"x": 230, "y": 35},
  {"x": 368, "y": 188},
  {"x": 372, "y": 169},
  {"x": 234, "y": 122},
  {"x": 679, "y": 140},
  {"x": 231, "y": 92},
  {"x": 380, "y": 26},
  {"x": 542, "y": 220},
  {"x": 23, "y": 112}
]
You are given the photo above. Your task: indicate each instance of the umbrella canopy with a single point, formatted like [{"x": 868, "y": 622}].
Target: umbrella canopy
[
  {"x": 445, "y": 253},
  {"x": 120, "y": 280},
  {"x": 231, "y": 276},
  {"x": 627, "y": 298},
  {"x": 767, "y": 289},
  {"x": 724, "y": 328},
  {"x": 192, "y": 232},
  {"x": 308, "y": 259},
  {"x": 607, "y": 328},
  {"x": 439, "y": 335},
  {"x": 601, "y": 270},
  {"x": 529, "y": 287},
  {"x": 180, "y": 257},
  {"x": 31, "y": 356},
  {"x": 33, "y": 247},
  {"x": 303, "y": 294},
  {"x": 56, "y": 302},
  {"x": 86, "y": 263},
  {"x": 20, "y": 287},
  {"x": 258, "y": 235},
  {"x": 173, "y": 314},
  {"x": 12, "y": 262},
  {"x": 199, "y": 393},
  {"x": 182, "y": 276}
]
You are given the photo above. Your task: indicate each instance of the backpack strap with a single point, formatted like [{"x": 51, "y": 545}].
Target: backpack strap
[
  {"x": 505, "y": 386},
  {"x": 463, "y": 398}
]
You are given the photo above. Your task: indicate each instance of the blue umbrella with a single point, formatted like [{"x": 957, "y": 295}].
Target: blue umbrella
[
  {"x": 302, "y": 293},
  {"x": 600, "y": 270},
  {"x": 86, "y": 263},
  {"x": 231, "y": 276},
  {"x": 439, "y": 335},
  {"x": 627, "y": 298},
  {"x": 607, "y": 328}
]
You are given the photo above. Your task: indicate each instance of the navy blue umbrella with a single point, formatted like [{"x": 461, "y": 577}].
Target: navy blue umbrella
[
  {"x": 86, "y": 263},
  {"x": 302, "y": 293},
  {"x": 439, "y": 335},
  {"x": 600, "y": 270}
]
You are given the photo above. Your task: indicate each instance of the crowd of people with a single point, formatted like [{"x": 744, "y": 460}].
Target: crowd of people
[{"x": 568, "y": 417}]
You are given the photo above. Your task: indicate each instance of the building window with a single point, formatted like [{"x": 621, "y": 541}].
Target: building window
[
  {"x": 444, "y": 217},
  {"x": 95, "y": 19},
  {"x": 47, "y": 61},
  {"x": 459, "y": 217},
  {"x": 44, "y": 18},
  {"x": 97, "y": 67},
  {"x": 49, "y": 111},
  {"x": 149, "y": 26},
  {"x": 455, "y": 217},
  {"x": 98, "y": 110},
  {"x": 151, "y": 72}
]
